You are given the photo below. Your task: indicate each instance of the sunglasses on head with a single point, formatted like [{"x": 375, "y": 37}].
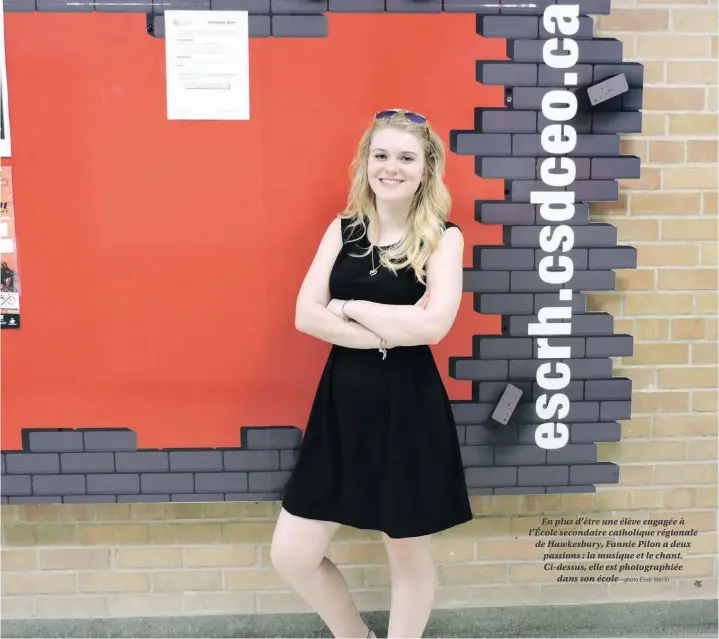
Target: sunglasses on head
[{"x": 417, "y": 118}]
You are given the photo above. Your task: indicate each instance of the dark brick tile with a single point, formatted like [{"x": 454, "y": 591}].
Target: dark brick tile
[
  {"x": 87, "y": 462},
  {"x": 268, "y": 481},
  {"x": 304, "y": 26},
  {"x": 599, "y": 473},
  {"x": 195, "y": 460},
  {"x": 543, "y": 475},
  {"x": 101, "y": 439},
  {"x": 491, "y": 477},
  {"x": 478, "y": 370},
  {"x": 16, "y": 485},
  {"x": 477, "y": 455},
  {"x": 471, "y": 412},
  {"x": 113, "y": 483},
  {"x": 226, "y": 482},
  {"x": 503, "y": 303},
  {"x": 167, "y": 483},
  {"x": 595, "y": 432},
  {"x": 32, "y": 463},
  {"x": 52, "y": 441},
  {"x": 142, "y": 461},
  {"x": 251, "y": 460},
  {"x": 59, "y": 484},
  {"x": 519, "y": 455},
  {"x": 270, "y": 437},
  {"x": 479, "y": 435}
]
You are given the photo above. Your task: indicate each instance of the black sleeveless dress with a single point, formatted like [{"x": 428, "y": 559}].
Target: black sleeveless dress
[{"x": 380, "y": 451}]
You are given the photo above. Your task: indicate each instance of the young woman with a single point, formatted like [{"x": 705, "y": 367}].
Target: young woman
[{"x": 380, "y": 451}]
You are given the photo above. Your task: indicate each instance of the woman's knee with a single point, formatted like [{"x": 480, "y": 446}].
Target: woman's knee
[
  {"x": 409, "y": 550},
  {"x": 298, "y": 545},
  {"x": 288, "y": 556}
]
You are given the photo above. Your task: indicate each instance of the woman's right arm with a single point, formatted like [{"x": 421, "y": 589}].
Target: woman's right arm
[{"x": 311, "y": 313}]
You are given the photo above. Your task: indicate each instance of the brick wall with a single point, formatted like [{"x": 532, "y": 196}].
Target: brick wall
[
  {"x": 82, "y": 560},
  {"x": 96, "y": 560}
]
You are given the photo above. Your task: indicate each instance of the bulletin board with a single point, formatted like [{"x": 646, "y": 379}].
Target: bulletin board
[{"x": 161, "y": 260}]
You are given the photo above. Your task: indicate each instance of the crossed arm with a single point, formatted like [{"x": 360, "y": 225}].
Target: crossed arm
[{"x": 427, "y": 322}]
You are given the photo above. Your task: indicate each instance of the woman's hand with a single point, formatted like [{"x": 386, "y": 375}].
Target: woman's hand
[{"x": 335, "y": 307}]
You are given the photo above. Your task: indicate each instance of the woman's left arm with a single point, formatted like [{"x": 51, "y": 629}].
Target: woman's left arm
[{"x": 404, "y": 325}]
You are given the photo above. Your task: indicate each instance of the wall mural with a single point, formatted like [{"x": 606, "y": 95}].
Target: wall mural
[{"x": 506, "y": 450}]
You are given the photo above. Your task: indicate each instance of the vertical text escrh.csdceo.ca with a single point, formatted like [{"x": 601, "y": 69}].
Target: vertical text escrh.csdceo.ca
[{"x": 557, "y": 171}]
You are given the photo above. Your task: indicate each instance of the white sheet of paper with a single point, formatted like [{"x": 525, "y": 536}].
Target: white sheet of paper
[{"x": 207, "y": 57}]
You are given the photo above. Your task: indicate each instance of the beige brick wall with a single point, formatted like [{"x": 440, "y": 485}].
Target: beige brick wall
[
  {"x": 172, "y": 559},
  {"x": 192, "y": 559}
]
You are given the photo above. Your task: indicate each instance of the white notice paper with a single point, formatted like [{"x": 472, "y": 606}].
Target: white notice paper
[{"x": 207, "y": 57}]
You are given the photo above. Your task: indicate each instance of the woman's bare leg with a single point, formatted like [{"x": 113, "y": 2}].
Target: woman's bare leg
[
  {"x": 413, "y": 578},
  {"x": 299, "y": 555}
]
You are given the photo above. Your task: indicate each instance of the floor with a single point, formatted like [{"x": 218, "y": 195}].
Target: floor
[{"x": 696, "y": 618}]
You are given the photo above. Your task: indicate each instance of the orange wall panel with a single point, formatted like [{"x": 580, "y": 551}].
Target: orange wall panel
[{"x": 161, "y": 260}]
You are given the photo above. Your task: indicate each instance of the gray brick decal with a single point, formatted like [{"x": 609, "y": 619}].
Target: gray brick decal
[
  {"x": 105, "y": 465},
  {"x": 586, "y": 7},
  {"x": 298, "y": 6},
  {"x": 597, "y": 50},
  {"x": 504, "y": 121},
  {"x": 123, "y": 6},
  {"x": 63, "y": 6},
  {"x": 596, "y": 401},
  {"x": 471, "y": 6},
  {"x": 87, "y": 462},
  {"x": 414, "y": 6},
  {"x": 94, "y": 472},
  {"x": 302, "y": 26},
  {"x": 159, "y": 6},
  {"x": 553, "y": 77},
  {"x": 508, "y": 26},
  {"x": 19, "y": 6},
  {"x": 356, "y": 6},
  {"x": 110, "y": 439},
  {"x": 31, "y": 463},
  {"x": 587, "y": 324},
  {"x": 501, "y": 73},
  {"x": 585, "y": 32},
  {"x": 253, "y": 6},
  {"x": 56, "y": 441}
]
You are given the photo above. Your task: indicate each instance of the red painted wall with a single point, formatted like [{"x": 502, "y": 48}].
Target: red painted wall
[{"x": 160, "y": 261}]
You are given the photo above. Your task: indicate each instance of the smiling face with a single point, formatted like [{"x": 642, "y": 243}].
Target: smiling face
[{"x": 395, "y": 165}]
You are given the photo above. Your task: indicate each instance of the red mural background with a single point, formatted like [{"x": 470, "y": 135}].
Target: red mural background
[{"x": 161, "y": 260}]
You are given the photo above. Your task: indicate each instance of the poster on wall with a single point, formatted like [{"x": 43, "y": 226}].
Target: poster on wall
[
  {"x": 9, "y": 278},
  {"x": 207, "y": 65},
  {"x": 4, "y": 111}
]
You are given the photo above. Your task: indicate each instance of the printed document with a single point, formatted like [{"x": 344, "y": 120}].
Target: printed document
[{"x": 207, "y": 60}]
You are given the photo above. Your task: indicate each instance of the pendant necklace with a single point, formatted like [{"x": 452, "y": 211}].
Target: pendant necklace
[{"x": 373, "y": 271}]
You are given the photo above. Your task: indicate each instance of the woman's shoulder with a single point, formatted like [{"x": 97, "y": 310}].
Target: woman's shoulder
[{"x": 450, "y": 225}]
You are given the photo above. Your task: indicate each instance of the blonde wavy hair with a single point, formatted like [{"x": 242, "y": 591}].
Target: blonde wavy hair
[{"x": 430, "y": 206}]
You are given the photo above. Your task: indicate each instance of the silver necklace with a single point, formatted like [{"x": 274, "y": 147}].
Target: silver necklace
[{"x": 374, "y": 270}]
